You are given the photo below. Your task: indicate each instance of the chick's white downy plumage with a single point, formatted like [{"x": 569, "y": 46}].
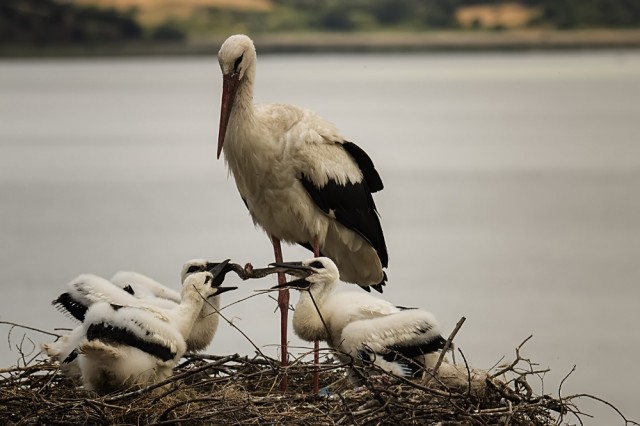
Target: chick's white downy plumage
[
  {"x": 145, "y": 287},
  {"x": 128, "y": 346},
  {"x": 369, "y": 329},
  {"x": 91, "y": 298}
]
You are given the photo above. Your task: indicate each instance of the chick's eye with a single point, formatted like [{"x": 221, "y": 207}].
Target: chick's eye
[
  {"x": 236, "y": 64},
  {"x": 193, "y": 268},
  {"x": 208, "y": 279},
  {"x": 316, "y": 264}
]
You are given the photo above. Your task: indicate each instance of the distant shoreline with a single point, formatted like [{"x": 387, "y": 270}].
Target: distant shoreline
[{"x": 354, "y": 42}]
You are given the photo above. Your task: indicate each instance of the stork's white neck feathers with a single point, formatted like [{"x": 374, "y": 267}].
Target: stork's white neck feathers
[
  {"x": 307, "y": 323},
  {"x": 190, "y": 307},
  {"x": 205, "y": 325},
  {"x": 310, "y": 320},
  {"x": 242, "y": 110}
]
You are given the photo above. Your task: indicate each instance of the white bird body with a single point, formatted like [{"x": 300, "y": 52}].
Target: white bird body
[
  {"x": 363, "y": 327},
  {"x": 145, "y": 287},
  {"x": 133, "y": 345},
  {"x": 106, "y": 366},
  {"x": 298, "y": 176},
  {"x": 83, "y": 293},
  {"x": 266, "y": 190}
]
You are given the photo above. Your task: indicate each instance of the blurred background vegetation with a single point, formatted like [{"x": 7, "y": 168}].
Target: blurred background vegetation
[{"x": 59, "y": 22}]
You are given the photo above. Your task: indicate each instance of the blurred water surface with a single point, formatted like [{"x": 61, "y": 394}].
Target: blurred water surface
[{"x": 512, "y": 193}]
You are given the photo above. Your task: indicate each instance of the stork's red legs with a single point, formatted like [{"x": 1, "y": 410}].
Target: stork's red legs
[
  {"x": 283, "y": 304},
  {"x": 316, "y": 344}
]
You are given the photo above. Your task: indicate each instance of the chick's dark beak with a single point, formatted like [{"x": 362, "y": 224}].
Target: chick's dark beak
[
  {"x": 220, "y": 290},
  {"x": 297, "y": 269},
  {"x": 299, "y": 284},
  {"x": 218, "y": 270}
]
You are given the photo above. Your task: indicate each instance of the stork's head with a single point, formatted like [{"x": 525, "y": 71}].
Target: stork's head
[
  {"x": 216, "y": 270},
  {"x": 320, "y": 271},
  {"x": 197, "y": 283},
  {"x": 200, "y": 285},
  {"x": 236, "y": 56}
]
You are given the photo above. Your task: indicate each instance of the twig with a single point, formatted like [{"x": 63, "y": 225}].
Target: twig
[
  {"x": 13, "y": 324},
  {"x": 171, "y": 379},
  {"x": 444, "y": 350},
  {"x": 515, "y": 362},
  {"x": 466, "y": 364},
  {"x": 234, "y": 326},
  {"x": 610, "y": 405}
]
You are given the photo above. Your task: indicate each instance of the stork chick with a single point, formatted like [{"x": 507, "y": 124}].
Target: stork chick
[
  {"x": 135, "y": 346},
  {"x": 359, "y": 326},
  {"x": 88, "y": 290}
]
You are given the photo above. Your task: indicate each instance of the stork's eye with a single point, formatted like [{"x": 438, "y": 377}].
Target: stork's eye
[
  {"x": 208, "y": 279},
  {"x": 316, "y": 264},
  {"x": 236, "y": 64},
  {"x": 193, "y": 268}
]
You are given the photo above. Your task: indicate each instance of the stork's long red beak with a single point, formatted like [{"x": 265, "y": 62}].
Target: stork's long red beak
[{"x": 229, "y": 89}]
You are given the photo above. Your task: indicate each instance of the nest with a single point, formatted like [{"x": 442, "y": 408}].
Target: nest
[{"x": 234, "y": 389}]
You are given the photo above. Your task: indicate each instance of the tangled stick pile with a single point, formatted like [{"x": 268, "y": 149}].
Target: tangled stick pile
[{"x": 208, "y": 389}]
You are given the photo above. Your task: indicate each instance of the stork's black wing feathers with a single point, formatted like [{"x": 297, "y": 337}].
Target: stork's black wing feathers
[
  {"x": 379, "y": 287},
  {"x": 67, "y": 303},
  {"x": 109, "y": 333},
  {"x": 406, "y": 355},
  {"x": 72, "y": 355},
  {"x": 412, "y": 351},
  {"x": 352, "y": 205},
  {"x": 366, "y": 166}
]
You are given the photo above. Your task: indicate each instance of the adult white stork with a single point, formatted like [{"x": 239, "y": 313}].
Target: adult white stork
[
  {"x": 301, "y": 180},
  {"x": 87, "y": 290},
  {"x": 359, "y": 326}
]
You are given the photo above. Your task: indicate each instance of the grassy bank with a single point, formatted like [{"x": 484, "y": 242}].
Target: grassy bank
[{"x": 354, "y": 42}]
